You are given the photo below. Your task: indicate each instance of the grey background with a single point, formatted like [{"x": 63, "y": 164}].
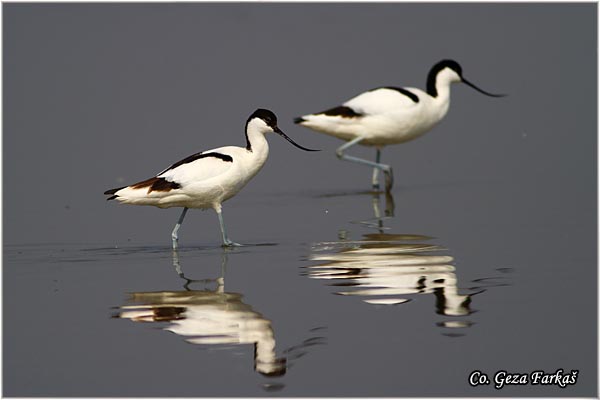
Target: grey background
[{"x": 101, "y": 95}]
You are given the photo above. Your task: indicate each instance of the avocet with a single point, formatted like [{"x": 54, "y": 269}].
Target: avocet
[
  {"x": 389, "y": 115},
  {"x": 206, "y": 179}
]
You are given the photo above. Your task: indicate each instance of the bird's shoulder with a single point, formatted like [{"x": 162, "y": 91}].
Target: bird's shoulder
[
  {"x": 383, "y": 99},
  {"x": 207, "y": 163}
]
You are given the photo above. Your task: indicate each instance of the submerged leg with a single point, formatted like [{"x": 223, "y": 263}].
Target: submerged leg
[
  {"x": 221, "y": 279},
  {"x": 389, "y": 204},
  {"x": 387, "y": 170},
  {"x": 226, "y": 241},
  {"x": 376, "y": 171},
  {"x": 174, "y": 236},
  {"x": 377, "y": 212}
]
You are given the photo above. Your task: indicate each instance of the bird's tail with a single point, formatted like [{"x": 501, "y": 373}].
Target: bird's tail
[
  {"x": 149, "y": 192},
  {"x": 113, "y": 191}
]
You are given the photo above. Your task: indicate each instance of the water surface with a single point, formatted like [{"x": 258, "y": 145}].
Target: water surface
[{"x": 483, "y": 258}]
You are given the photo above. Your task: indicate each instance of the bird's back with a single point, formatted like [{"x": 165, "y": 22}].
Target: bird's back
[{"x": 384, "y": 100}]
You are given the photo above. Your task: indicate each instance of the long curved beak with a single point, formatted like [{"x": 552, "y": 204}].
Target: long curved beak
[
  {"x": 286, "y": 137},
  {"x": 481, "y": 90}
]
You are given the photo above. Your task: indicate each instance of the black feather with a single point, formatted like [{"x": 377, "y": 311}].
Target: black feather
[{"x": 113, "y": 191}]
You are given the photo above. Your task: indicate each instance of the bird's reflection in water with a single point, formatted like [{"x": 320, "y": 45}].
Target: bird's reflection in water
[
  {"x": 214, "y": 317},
  {"x": 389, "y": 269},
  {"x": 385, "y": 268}
]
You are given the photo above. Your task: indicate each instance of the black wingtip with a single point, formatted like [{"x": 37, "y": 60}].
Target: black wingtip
[
  {"x": 115, "y": 190},
  {"x": 299, "y": 120}
]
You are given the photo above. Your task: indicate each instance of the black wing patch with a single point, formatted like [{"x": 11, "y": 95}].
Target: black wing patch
[
  {"x": 405, "y": 92},
  {"x": 156, "y": 184},
  {"x": 198, "y": 156},
  {"x": 153, "y": 184},
  {"x": 163, "y": 185},
  {"x": 341, "y": 111}
]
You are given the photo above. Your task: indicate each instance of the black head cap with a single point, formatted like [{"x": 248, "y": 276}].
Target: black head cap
[
  {"x": 266, "y": 115},
  {"x": 453, "y": 65}
]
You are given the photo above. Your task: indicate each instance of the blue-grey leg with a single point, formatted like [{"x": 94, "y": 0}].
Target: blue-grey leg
[
  {"x": 226, "y": 241},
  {"x": 174, "y": 236},
  {"x": 376, "y": 171},
  {"x": 387, "y": 170},
  {"x": 389, "y": 209}
]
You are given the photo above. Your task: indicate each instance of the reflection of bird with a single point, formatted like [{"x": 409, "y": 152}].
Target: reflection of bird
[
  {"x": 215, "y": 317},
  {"x": 383, "y": 268},
  {"x": 205, "y": 317},
  {"x": 209, "y": 317},
  {"x": 207, "y": 179},
  {"x": 389, "y": 115}
]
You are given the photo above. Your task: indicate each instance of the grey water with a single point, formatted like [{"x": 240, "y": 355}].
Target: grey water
[{"x": 483, "y": 257}]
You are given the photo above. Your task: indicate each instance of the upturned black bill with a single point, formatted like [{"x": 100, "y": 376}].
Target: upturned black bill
[
  {"x": 286, "y": 137},
  {"x": 481, "y": 90}
]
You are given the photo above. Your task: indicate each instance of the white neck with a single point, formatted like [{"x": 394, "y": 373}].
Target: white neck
[
  {"x": 443, "y": 81},
  {"x": 265, "y": 357},
  {"x": 257, "y": 144}
]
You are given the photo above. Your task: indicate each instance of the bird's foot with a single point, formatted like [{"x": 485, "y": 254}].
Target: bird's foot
[{"x": 229, "y": 243}]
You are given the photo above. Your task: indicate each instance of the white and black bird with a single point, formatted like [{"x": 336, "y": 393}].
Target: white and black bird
[
  {"x": 206, "y": 179},
  {"x": 389, "y": 115}
]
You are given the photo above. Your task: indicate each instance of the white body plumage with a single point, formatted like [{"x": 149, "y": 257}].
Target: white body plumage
[
  {"x": 387, "y": 116},
  {"x": 210, "y": 318},
  {"x": 205, "y": 182}
]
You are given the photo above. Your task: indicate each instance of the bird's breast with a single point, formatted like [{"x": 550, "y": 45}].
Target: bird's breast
[{"x": 403, "y": 125}]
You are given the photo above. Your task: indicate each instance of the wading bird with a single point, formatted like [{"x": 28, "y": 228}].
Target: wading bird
[
  {"x": 206, "y": 179},
  {"x": 389, "y": 115}
]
